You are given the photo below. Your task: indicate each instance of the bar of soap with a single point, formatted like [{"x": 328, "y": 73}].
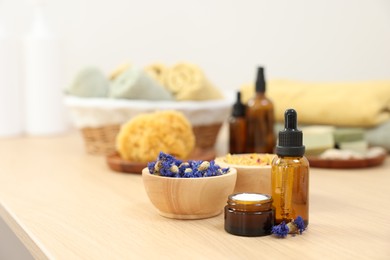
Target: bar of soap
[
  {"x": 351, "y": 139},
  {"x": 342, "y": 135},
  {"x": 137, "y": 84},
  {"x": 89, "y": 82},
  {"x": 317, "y": 139},
  {"x": 357, "y": 146}
]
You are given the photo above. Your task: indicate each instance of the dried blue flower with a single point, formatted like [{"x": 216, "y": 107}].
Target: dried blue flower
[
  {"x": 151, "y": 167},
  {"x": 204, "y": 166},
  {"x": 298, "y": 222},
  {"x": 296, "y": 226},
  {"x": 188, "y": 173},
  {"x": 280, "y": 230},
  {"x": 168, "y": 166},
  {"x": 165, "y": 166},
  {"x": 212, "y": 170},
  {"x": 218, "y": 169},
  {"x": 166, "y": 157},
  {"x": 183, "y": 167},
  {"x": 194, "y": 164},
  {"x": 225, "y": 170},
  {"x": 175, "y": 170}
]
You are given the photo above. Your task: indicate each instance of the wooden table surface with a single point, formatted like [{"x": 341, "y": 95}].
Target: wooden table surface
[{"x": 65, "y": 204}]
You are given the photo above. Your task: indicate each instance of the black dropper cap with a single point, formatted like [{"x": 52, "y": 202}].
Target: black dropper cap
[
  {"x": 290, "y": 139},
  {"x": 238, "y": 107},
  {"x": 260, "y": 80}
]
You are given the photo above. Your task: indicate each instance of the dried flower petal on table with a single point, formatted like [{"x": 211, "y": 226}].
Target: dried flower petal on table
[
  {"x": 296, "y": 226},
  {"x": 280, "y": 230},
  {"x": 298, "y": 222}
]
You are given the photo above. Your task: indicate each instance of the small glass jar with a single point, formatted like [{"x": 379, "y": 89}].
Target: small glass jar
[{"x": 249, "y": 214}]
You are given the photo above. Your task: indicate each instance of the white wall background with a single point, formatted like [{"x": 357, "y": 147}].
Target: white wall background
[{"x": 322, "y": 40}]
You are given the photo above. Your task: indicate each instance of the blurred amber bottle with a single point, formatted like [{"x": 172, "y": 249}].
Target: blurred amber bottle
[
  {"x": 237, "y": 127},
  {"x": 260, "y": 119}
]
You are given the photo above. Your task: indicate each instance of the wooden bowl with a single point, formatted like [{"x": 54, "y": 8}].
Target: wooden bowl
[
  {"x": 252, "y": 179},
  {"x": 189, "y": 198}
]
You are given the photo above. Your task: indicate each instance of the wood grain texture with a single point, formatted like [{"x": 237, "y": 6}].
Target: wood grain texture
[{"x": 65, "y": 204}]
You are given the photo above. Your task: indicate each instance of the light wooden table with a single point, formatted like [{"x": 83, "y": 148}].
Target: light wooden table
[{"x": 65, "y": 204}]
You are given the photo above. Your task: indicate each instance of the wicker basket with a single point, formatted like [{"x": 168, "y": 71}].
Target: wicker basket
[
  {"x": 100, "y": 119},
  {"x": 101, "y": 140}
]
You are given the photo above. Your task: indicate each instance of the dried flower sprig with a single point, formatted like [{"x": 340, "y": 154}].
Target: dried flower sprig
[
  {"x": 296, "y": 226},
  {"x": 280, "y": 230},
  {"x": 168, "y": 166},
  {"x": 298, "y": 222}
]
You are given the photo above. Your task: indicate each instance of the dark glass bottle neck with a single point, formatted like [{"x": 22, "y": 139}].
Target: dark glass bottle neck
[{"x": 261, "y": 93}]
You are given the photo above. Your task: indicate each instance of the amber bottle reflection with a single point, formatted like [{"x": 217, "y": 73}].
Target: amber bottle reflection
[
  {"x": 237, "y": 128},
  {"x": 260, "y": 120}
]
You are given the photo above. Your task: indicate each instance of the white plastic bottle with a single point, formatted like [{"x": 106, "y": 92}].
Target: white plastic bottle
[
  {"x": 10, "y": 91},
  {"x": 44, "y": 108}
]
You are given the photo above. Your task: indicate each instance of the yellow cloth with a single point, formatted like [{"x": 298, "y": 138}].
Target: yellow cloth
[
  {"x": 188, "y": 82},
  {"x": 342, "y": 104}
]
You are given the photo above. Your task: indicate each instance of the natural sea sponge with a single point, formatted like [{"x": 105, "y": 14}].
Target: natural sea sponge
[{"x": 146, "y": 135}]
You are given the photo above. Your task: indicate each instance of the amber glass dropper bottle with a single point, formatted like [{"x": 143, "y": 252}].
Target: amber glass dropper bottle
[
  {"x": 260, "y": 119},
  {"x": 237, "y": 127},
  {"x": 290, "y": 173}
]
